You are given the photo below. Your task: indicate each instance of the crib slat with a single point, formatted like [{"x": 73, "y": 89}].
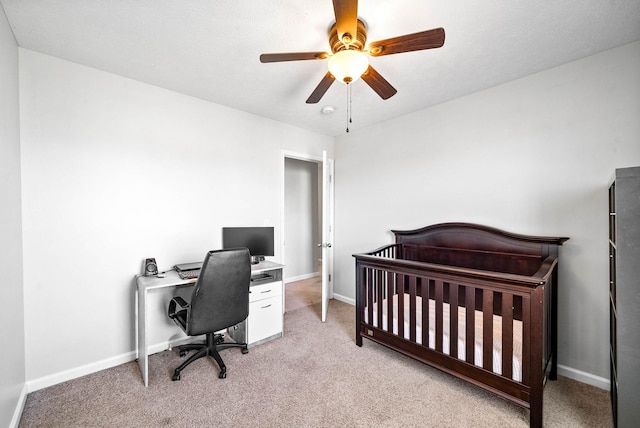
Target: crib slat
[
  {"x": 526, "y": 340},
  {"x": 425, "y": 311},
  {"x": 507, "y": 335},
  {"x": 487, "y": 329},
  {"x": 453, "y": 314},
  {"x": 412, "y": 308},
  {"x": 379, "y": 296},
  {"x": 439, "y": 314},
  {"x": 369, "y": 289},
  {"x": 400, "y": 287},
  {"x": 470, "y": 334},
  {"x": 389, "y": 296}
]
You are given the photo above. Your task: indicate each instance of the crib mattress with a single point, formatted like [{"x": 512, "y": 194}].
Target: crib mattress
[{"x": 497, "y": 332}]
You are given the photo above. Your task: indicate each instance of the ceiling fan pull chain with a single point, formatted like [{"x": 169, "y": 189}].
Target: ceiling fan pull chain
[
  {"x": 348, "y": 115},
  {"x": 350, "y": 107},
  {"x": 349, "y": 120}
]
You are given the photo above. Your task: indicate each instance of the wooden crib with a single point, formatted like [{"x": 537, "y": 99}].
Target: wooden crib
[{"x": 476, "y": 302}]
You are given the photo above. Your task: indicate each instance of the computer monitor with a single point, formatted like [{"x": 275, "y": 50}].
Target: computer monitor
[{"x": 259, "y": 240}]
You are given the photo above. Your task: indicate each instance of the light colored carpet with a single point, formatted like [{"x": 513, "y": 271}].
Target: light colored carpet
[
  {"x": 314, "y": 376},
  {"x": 303, "y": 293}
]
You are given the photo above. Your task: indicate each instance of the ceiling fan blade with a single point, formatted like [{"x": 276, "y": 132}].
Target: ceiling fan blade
[
  {"x": 292, "y": 56},
  {"x": 320, "y": 90},
  {"x": 346, "y": 12},
  {"x": 378, "y": 83},
  {"x": 411, "y": 42}
]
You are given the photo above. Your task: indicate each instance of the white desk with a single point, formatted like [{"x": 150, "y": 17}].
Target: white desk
[{"x": 145, "y": 284}]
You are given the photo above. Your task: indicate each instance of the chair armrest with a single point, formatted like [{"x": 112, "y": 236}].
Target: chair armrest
[{"x": 177, "y": 301}]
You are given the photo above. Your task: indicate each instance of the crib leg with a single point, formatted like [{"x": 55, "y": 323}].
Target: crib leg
[
  {"x": 535, "y": 415},
  {"x": 358, "y": 339}
]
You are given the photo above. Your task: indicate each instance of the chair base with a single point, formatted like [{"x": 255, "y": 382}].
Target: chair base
[{"x": 213, "y": 344}]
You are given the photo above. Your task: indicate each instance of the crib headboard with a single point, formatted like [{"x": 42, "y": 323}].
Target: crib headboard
[{"x": 477, "y": 247}]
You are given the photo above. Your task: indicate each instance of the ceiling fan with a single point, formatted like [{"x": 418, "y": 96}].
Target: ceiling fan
[{"x": 348, "y": 60}]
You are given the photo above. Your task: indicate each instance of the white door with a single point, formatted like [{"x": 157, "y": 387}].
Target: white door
[{"x": 327, "y": 233}]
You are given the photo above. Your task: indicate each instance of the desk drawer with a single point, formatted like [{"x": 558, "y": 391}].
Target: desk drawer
[
  {"x": 265, "y": 291},
  {"x": 265, "y": 319}
]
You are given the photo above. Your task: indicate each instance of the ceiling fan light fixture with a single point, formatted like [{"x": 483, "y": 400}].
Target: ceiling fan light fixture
[{"x": 348, "y": 65}]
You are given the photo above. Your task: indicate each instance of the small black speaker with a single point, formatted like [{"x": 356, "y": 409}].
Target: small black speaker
[{"x": 150, "y": 267}]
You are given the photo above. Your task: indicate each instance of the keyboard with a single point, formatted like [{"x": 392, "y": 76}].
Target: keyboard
[
  {"x": 188, "y": 266},
  {"x": 188, "y": 270},
  {"x": 189, "y": 274}
]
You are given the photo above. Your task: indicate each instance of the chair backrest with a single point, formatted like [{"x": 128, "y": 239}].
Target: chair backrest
[{"x": 221, "y": 295}]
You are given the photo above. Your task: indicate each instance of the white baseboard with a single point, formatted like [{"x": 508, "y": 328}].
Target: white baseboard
[
  {"x": 344, "y": 299},
  {"x": 63, "y": 376},
  {"x": 584, "y": 377},
  {"x": 301, "y": 277},
  {"x": 17, "y": 414},
  {"x": 56, "y": 378}
]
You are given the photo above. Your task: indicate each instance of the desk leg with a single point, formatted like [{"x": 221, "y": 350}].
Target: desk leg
[
  {"x": 137, "y": 324},
  {"x": 143, "y": 357}
]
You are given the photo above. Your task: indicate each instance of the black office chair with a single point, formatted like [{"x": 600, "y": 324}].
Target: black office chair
[{"x": 220, "y": 300}]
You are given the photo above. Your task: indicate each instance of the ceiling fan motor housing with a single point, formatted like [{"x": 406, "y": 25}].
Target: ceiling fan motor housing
[{"x": 356, "y": 43}]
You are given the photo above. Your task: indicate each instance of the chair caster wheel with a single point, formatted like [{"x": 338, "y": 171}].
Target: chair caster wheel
[
  {"x": 222, "y": 375},
  {"x": 183, "y": 352},
  {"x": 245, "y": 350},
  {"x": 176, "y": 376}
]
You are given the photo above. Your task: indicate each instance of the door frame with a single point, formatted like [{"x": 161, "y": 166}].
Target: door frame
[{"x": 287, "y": 154}]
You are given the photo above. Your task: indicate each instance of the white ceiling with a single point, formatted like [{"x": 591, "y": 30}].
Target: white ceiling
[{"x": 210, "y": 48}]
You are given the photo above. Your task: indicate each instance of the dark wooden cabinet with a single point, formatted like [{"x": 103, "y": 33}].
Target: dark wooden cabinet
[{"x": 624, "y": 295}]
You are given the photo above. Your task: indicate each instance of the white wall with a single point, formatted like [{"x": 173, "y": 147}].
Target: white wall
[
  {"x": 533, "y": 156},
  {"x": 12, "y": 352},
  {"x": 302, "y": 219},
  {"x": 115, "y": 171}
]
